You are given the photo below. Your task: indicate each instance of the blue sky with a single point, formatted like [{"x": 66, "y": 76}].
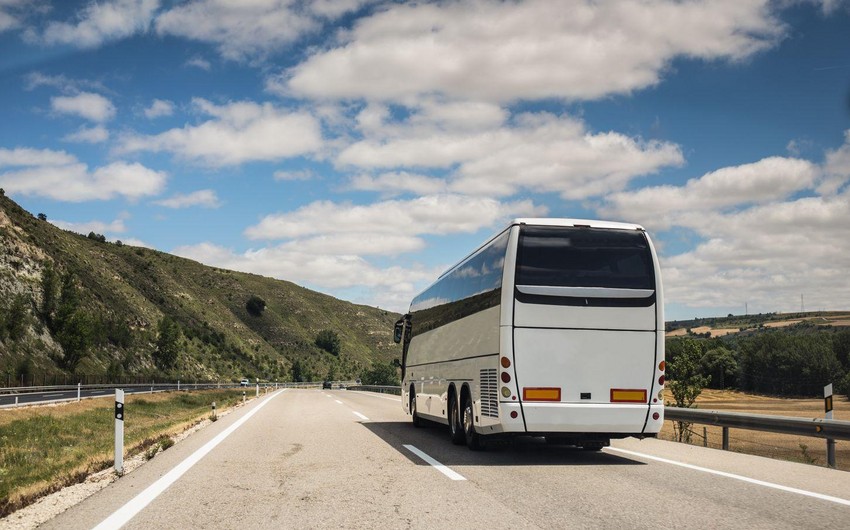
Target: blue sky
[{"x": 358, "y": 147}]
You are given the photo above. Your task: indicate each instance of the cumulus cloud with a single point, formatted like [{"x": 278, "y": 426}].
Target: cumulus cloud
[
  {"x": 236, "y": 133},
  {"x": 435, "y": 214},
  {"x": 539, "y": 152},
  {"x": 100, "y": 22},
  {"x": 159, "y": 108},
  {"x": 12, "y": 14},
  {"x": 202, "y": 198},
  {"x": 764, "y": 181},
  {"x": 765, "y": 232},
  {"x": 245, "y": 30},
  {"x": 766, "y": 255},
  {"x": 60, "y": 176},
  {"x": 397, "y": 183},
  {"x": 88, "y": 105},
  {"x": 89, "y": 135},
  {"x": 98, "y": 227},
  {"x": 504, "y": 51},
  {"x": 391, "y": 287},
  {"x": 304, "y": 174}
]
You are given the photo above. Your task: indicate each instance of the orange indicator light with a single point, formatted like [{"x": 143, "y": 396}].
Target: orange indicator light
[
  {"x": 621, "y": 395},
  {"x": 541, "y": 394}
]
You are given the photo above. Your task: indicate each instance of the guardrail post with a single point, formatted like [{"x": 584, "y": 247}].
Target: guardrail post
[
  {"x": 243, "y": 396},
  {"x": 79, "y": 390},
  {"x": 258, "y": 389},
  {"x": 16, "y": 401},
  {"x": 830, "y": 443},
  {"x": 213, "y": 411},
  {"x": 178, "y": 385},
  {"x": 119, "y": 431},
  {"x": 725, "y": 438}
]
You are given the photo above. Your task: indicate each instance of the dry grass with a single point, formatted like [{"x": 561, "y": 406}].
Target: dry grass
[
  {"x": 795, "y": 448},
  {"x": 45, "y": 448}
]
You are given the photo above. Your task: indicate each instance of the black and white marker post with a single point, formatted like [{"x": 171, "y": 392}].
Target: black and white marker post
[
  {"x": 119, "y": 431},
  {"x": 827, "y": 407}
]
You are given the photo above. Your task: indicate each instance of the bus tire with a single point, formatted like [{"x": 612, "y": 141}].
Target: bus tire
[
  {"x": 455, "y": 427},
  {"x": 473, "y": 439},
  {"x": 417, "y": 421}
]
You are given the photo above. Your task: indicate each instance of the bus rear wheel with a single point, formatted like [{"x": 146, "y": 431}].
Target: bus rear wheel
[
  {"x": 473, "y": 439},
  {"x": 455, "y": 427}
]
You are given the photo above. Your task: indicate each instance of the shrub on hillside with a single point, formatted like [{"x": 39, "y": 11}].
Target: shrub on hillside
[
  {"x": 380, "y": 374},
  {"x": 255, "y": 306},
  {"x": 329, "y": 341}
]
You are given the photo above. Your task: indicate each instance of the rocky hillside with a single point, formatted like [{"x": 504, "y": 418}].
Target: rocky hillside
[{"x": 75, "y": 304}]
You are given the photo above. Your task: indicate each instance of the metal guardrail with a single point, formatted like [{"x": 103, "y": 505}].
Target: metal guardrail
[
  {"x": 815, "y": 427},
  {"x": 384, "y": 389}
]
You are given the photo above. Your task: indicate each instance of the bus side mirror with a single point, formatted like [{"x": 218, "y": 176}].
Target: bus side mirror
[{"x": 399, "y": 331}]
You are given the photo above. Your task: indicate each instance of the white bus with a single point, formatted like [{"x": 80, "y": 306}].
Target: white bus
[{"x": 553, "y": 327}]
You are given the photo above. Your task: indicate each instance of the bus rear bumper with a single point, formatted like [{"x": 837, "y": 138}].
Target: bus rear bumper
[{"x": 631, "y": 419}]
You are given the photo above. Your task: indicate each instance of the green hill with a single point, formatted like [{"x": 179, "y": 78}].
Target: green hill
[{"x": 108, "y": 302}]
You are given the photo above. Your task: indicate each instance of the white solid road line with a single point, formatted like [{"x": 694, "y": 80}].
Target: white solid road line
[
  {"x": 138, "y": 503},
  {"x": 780, "y": 487},
  {"x": 454, "y": 475},
  {"x": 338, "y": 401},
  {"x": 362, "y": 417},
  {"x": 54, "y": 395},
  {"x": 397, "y": 399}
]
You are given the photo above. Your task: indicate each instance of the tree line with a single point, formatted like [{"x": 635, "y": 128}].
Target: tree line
[{"x": 799, "y": 362}]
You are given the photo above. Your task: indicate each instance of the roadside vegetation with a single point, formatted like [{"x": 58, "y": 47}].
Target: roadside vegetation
[{"x": 43, "y": 449}]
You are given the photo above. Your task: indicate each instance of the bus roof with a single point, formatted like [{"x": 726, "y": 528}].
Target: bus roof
[{"x": 549, "y": 221}]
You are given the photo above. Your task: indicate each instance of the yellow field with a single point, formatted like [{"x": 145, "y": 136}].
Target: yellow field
[{"x": 796, "y": 448}]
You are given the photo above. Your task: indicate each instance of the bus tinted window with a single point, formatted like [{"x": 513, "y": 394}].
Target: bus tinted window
[
  {"x": 584, "y": 257},
  {"x": 473, "y": 286}
]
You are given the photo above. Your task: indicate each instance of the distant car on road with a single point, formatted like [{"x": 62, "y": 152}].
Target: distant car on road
[
  {"x": 327, "y": 385},
  {"x": 244, "y": 382}
]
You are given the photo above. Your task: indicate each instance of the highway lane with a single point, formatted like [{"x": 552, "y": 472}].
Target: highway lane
[{"x": 309, "y": 458}]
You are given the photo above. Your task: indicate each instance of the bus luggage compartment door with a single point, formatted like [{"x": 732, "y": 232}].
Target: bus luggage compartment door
[{"x": 581, "y": 380}]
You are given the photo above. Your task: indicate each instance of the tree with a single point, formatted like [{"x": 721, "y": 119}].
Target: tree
[
  {"x": 165, "y": 355},
  {"x": 255, "y": 306},
  {"x": 329, "y": 341},
  {"x": 100, "y": 238},
  {"x": 720, "y": 365},
  {"x": 49, "y": 302},
  {"x": 380, "y": 374},
  {"x": 76, "y": 339},
  {"x": 42, "y": 217},
  {"x": 17, "y": 319},
  {"x": 685, "y": 381}
]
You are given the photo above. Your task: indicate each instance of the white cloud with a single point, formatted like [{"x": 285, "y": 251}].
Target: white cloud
[
  {"x": 98, "y": 227},
  {"x": 392, "y": 287},
  {"x": 505, "y": 51},
  {"x": 25, "y": 157},
  {"x": 200, "y": 63},
  {"x": 203, "y": 198},
  {"x": 159, "y": 108},
  {"x": 100, "y": 22},
  {"x": 836, "y": 167},
  {"x": 538, "y": 152},
  {"x": 397, "y": 183},
  {"x": 245, "y": 30},
  {"x": 88, "y": 105},
  {"x": 60, "y": 176},
  {"x": 436, "y": 214},
  {"x": 237, "y": 133},
  {"x": 90, "y": 135},
  {"x": 11, "y": 16},
  {"x": 764, "y": 181},
  {"x": 766, "y": 256},
  {"x": 305, "y": 174}
]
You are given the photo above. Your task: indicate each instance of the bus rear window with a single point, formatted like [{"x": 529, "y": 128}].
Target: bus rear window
[{"x": 584, "y": 257}]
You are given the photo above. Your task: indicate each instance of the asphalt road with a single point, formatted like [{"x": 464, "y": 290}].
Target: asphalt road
[{"x": 339, "y": 459}]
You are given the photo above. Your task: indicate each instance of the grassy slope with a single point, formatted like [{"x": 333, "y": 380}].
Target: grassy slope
[{"x": 138, "y": 286}]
